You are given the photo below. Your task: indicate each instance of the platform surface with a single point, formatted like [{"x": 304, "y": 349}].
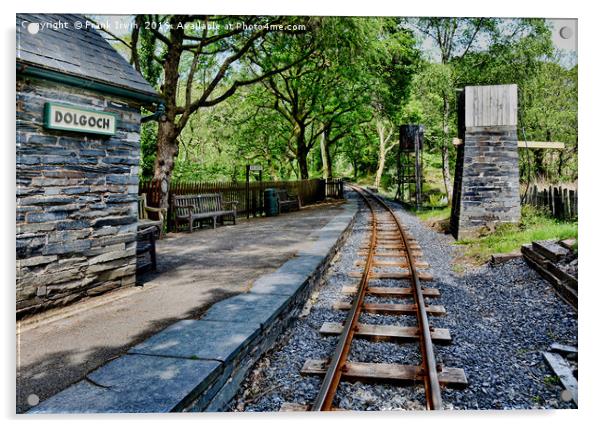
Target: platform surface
[{"x": 195, "y": 271}]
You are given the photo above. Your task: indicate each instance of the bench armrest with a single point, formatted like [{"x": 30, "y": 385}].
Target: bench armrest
[
  {"x": 230, "y": 202},
  {"x": 161, "y": 211},
  {"x": 150, "y": 231}
]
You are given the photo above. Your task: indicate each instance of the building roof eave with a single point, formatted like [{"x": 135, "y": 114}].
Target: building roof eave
[{"x": 144, "y": 98}]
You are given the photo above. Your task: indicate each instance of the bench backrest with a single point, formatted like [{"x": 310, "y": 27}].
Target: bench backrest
[
  {"x": 201, "y": 203},
  {"x": 284, "y": 195},
  {"x": 142, "y": 213}
]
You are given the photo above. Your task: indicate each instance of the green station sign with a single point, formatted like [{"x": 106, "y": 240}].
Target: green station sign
[{"x": 70, "y": 118}]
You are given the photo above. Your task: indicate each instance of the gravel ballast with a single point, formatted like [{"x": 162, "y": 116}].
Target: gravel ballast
[{"x": 500, "y": 318}]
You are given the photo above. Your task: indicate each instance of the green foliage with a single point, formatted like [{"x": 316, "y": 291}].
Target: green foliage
[
  {"x": 535, "y": 225},
  {"x": 148, "y": 148},
  {"x": 148, "y": 132},
  {"x": 351, "y": 74},
  {"x": 431, "y": 86},
  {"x": 434, "y": 214},
  {"x": 551, "y": 380}
]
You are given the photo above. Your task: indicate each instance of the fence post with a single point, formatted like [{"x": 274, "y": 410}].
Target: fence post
[
  {"x": 563, "y": 201},
  {"x": 322, "y": 189},
  {"x": 573, "y": 198}
]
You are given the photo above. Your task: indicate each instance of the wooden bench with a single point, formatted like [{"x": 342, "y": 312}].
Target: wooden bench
[
  {"x": 287, "y": 201},
  {"x": 144, "y": 222},
  {"x": 145, "y": 243},
  {"x": 190, "y": 208}
]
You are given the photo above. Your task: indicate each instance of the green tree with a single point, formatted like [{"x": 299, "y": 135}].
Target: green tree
[
  {"x": 202, "y": 65},
  {"x": 478, "y": 51},
  {"x": 316, "y": 94}
]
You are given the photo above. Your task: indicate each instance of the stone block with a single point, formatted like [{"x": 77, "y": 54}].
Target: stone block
[
  {"x": 76, "y": 246},
  {"x": 114, "y": 221},
  {"x": 68, "y": 235},
  {"x": 252, "y": 308},
  {"x": 45, "y": 200},
  {"x": 113, "y": 274},
  {"x": 42, "y": 217},
  {"x": 103, "y": 288},
  {"x": 289, "y": 278},
  {"x": 212, "y": 340},
  {"x": 36, "y": 261},
  {"x": 110, "y": 255},
  {"x": 134, "y": 384}
]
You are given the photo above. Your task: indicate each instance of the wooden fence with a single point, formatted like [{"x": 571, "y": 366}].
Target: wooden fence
[
  {"x": 560, "y": 202},
  {"x": 334, "y": 188},
  {"x": 250, "y": 198}
]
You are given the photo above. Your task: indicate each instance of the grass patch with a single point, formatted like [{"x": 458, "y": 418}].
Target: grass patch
[
  {"x": 551, "y": 380},
  {"x": 434, "y": 214},
  {"x": 534, "y": 226}
]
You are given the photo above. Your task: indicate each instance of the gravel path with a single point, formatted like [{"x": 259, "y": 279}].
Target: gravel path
[{"x": 500, "y": 319}]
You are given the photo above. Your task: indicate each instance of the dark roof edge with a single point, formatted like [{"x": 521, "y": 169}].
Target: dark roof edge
[{"x": 80, "y": 82}]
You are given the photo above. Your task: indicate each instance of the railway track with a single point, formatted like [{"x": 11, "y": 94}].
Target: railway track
[{"x": 389, "y": 254}]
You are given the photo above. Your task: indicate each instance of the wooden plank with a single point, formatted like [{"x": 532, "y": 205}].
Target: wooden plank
[
  {"x": 392, "y": 275},
  {"x": 468, "y": 106},
  {"x": 388, "y": 332},
  {"x": 563, "y": 349},
  {"x": 389, "y": 253},
  {"x": 550, "y": 250},
  {"x": 394, "y": 263},
  {"x": 573, "y": 203},
  {"x": 497, "y": 259},
  {"x": 541, "y": 145},
  {"x": 392, "y": 308},
  {"x": 389, "y": 373},
  {"x": 294, "y": 407},
  {"x": 563, "y": 370},
  {"x": 537, "y": 262},
  {"x": 492, "y": 105},
  {"x": 568, "y": 243},
  {"x": 395, "y": 246},
  {"x": 392, "y": 291},
  {"x": 563, "y": 276}
]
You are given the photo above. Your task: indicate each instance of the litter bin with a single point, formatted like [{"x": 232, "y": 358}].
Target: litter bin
[{"x": 270, "y": 198}]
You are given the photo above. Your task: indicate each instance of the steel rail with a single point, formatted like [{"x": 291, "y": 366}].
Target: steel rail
[
  {"x": 429, "y": 363},
  {"x": 336, "y": 367},
  {"x": 332, "y": 378}
]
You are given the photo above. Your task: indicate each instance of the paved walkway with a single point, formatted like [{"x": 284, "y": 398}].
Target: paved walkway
[{"x": 195, "y": 271}]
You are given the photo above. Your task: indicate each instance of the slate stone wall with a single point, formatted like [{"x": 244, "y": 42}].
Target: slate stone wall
[
  {"x": 486, "y": 187},
  {"x": 76, "y": 199}
]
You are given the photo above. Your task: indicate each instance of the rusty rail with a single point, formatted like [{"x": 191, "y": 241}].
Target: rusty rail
[{"x": 336, "y": 367}]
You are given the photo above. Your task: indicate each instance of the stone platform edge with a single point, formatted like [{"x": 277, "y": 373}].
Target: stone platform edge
[{"x": 199, "y": 365}]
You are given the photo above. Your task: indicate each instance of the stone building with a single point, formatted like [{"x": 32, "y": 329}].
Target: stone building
[
  {"x": 77, "y": 146},
  {"x": 486, "y": 182}
]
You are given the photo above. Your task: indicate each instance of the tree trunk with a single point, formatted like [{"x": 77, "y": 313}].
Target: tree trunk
[
  {"x": 301, "y": 152},
  {"x": 381, "y": 154},
  {"x": 325, "y": 158},
  {"x": 538, "y": 163},
  {"x": 168, "y": 132},
  {"x": 328, "y": 162},
  {"x": 384, "y": 136},
  {"x": 445, "y": 150},
  {"x": 167, "y": 151},
  {"x": 446, "y": 174}
]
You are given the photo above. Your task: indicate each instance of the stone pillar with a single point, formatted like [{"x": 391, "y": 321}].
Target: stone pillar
[{"x": 486, "y": 183}]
